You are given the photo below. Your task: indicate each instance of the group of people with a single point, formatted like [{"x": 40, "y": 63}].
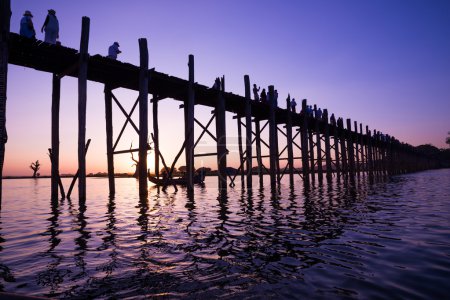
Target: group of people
[
  {"x": 51, "y": 29},
  {"x": 264, "y": 97},
  {"x": 50, "y": 26}
]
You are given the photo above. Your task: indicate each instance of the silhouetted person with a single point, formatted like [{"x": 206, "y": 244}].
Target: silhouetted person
[
  {"x": 333, "y": 120},
  {"x": 51, "y": 27},
  {"x": 275, "y": 97},
  {"x": 26, "y": 25},
  {"x": 256, "y": 92},
  {"x": 263, "y": 95},
  {"x": 113, "y": 50},
  {"x": 293, "y": 105},
  {"x": 319, "y": 114}
]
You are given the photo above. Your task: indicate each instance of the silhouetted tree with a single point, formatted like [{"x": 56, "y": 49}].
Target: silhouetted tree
[
  {"x": 35, "y": 167},
  {"x": 136, "y": 162}
]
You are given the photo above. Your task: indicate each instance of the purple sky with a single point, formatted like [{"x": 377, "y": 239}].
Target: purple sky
[{"x": 383, "y": 63}]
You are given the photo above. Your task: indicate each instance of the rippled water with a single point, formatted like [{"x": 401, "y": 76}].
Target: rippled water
[{"x": 388, "y": 239}]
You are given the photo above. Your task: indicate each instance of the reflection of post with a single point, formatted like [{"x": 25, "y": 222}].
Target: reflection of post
[
  {"x": 109, "y": 139},
  {"x": 5, "y": 18},
  {"x": 56, "y": 92},
  {"x": 82, "y": 98},
  {"x": 248, "y": 132},
  {"x": 258, "y": 152},
  {"x": 143, "y": 116}
]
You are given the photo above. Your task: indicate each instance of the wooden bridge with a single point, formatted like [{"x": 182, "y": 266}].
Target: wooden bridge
[{"x": 326, "y": 148}]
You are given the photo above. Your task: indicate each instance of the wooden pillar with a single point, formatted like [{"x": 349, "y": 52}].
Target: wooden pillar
[
  {"x": 5, "y": 18},
  {"x": 109, "y": 139},
  {"x": 311, "y": 152},
  {"x": 329, "y": 169},
  {"x": 248, "y": 132},
  {"x": 156, "y": 134},
  {"x": 272, "y": 139},
  {"x": 357, "y": 147},
  {"x": 143, "y": 116},
  {"x": 363, "y": 167},
  {"x": 350, "y": 149},
  {"x": 343, "y": 149},
  {"x": 221, "y": 140},
  {"x": 290, "y": 150},
  {"x": 189, "y": 126},
  {"x": 258, "y": 152},
  {"x": 319, "y": 151},
  {"x": 336, "y": 151},
  {"x": 304, "y": 143},
  {"x": 82, "y": 99},
  {"x": 375, "y": 152},
  {"x": 56, "y": 95},
  {"x": 369, "y": 152},
  {"x": 241, "y": 151}
]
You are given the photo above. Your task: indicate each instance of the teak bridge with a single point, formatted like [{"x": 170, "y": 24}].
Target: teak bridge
[{"x": 326, "y": 148}]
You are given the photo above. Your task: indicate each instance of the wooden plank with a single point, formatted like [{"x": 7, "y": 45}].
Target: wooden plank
[
  {"x": 109, "y": 139},
  {"x": 143, "y": 116},
  {"x": 189, "y": 126},
  {"x": 56, "y": 96},
  {"x": 248, "y": 132},
  {"x": 82, "y": 99}
]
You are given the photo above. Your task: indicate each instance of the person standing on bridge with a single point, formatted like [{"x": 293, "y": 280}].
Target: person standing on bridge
[
  {"x": 256, "y": 92},
  {"x": 113, "y": 50},
  {"x": 293, "y": 104},
  {"x": 51, "y": 27},
  {"x": 263, "y": 96},
  {"x": 26, "y": 26}
]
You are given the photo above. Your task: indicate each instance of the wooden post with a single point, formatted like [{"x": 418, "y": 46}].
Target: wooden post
[
  {"x": 5, "y": 18},
  {"x": 248, "y": 131},
  {"x": 156, "y": 134},
  {"x": 289, "y": 140},
  {"x": 258, "y": 152},
  {"x": 272, "y": 138},
  {"x": 82, "y": 99},
  {"x": 329, "y": 169},
  {"x": 109, "y": 139},
  {"x": 350, "y": 149},
  {"x": 312, "y": 170},
  {"x": 221, "y": 141},
  {"x": 357, "y": 147},
  {"x": 304, "y": 143},
  {"x": 241, "y": 151},
  {"x": 369, "y": 153},
  {"x": 56, "y": 93},
  {"x": 375, "y": 152},
  {"x": 143, "y": 116},
  {"x": 343, "y": 149},
  {"x": 319, "y": 151},
  {"x": 363, "y": 167},
  {"x": 189, "y": 126},
  {"x": 336, "y": 151}
]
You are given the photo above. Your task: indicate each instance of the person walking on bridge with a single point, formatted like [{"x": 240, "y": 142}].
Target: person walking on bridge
[
  {"x": 51, "y": 27},
  {"x": 26, "y": 25}
]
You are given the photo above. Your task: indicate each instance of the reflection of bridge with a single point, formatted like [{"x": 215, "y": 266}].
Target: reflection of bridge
[{"x": 324, "y": 147}]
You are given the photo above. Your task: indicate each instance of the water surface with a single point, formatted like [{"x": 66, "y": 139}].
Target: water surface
[{"x": 387, "y": 239}]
